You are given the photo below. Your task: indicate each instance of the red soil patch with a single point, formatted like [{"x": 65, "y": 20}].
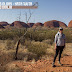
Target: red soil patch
[{"x": 46, "y": 65}]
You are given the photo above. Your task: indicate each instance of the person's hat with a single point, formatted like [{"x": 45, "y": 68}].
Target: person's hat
[{"x": 60, "y": 28}]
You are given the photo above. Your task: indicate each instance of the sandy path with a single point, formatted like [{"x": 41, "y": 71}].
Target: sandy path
[{"x": 46, "y": 65}]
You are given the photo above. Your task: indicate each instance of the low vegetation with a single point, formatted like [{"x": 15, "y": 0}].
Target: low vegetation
[
  {"x": 37, "y": 44},
  {"x": 38, "y": 34}
]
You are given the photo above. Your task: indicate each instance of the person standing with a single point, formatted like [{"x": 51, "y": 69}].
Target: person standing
[{"x": 59, "y": 45}]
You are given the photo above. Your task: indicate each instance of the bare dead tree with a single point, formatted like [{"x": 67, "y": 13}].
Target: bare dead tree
[{"x": 27, "y": 20}]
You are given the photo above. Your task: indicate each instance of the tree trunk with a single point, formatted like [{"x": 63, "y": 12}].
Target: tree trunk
[{"x": 17, "y": 50}]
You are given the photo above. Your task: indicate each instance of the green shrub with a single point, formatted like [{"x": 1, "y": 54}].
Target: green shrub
[
  {"x": 10, "y": 44},
  {"x": 35, "y": 34},
  {"x": 48, "y": 41},
  {"x": 37, "y": 48}
]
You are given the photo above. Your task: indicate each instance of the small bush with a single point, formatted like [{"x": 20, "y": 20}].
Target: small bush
[
  {"x": 12, "y": 68},
  {"x": 49, "y": 41},
  {"x": 10, "y": 44},
  {"x": 38, "y": 48}
]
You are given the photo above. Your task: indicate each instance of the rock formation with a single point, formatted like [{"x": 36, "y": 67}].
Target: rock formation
[
  {"x": 19, "y": 24},
  {"x": 38, "y": 24},
  {"x": 30, "y": 24},
  {"x": 54, "y": 23},
  {"x": 70, "y": 24},
  {"x": 4, "y": 23}
]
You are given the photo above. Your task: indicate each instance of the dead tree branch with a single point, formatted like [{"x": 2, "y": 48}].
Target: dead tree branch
[{"x": 27, "y": 20}]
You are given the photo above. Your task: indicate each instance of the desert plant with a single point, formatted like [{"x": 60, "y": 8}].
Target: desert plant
[
  {"x": 48, "y": 41},
  {"x": 38, "y": 48},
  {"x": 10, "y": 44}
]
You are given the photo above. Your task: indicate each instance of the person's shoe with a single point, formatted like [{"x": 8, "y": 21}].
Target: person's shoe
[
  {"x": 60, "y": 63},
  {"x": 53, "y": 64}
]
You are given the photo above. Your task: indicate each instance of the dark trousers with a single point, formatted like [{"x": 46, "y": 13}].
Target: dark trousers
[{"x": 59, "y": 51}]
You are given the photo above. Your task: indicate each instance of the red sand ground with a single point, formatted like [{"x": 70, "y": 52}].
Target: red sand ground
[{"x": 46, "y": 65}]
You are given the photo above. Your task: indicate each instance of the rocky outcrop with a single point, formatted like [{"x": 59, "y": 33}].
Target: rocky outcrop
[
  {"x": 38, "y": 24},
  {"x": 30, "y": 24},
  {"x": 54, "y": 23},
  {"x": 1, "y": 27},
  {"x": 70, "y": 24},
  {"x": 4, "y": 23},
  {"x": 19, "y": 24}
]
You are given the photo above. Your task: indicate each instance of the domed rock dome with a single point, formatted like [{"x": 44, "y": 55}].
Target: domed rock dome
[
  {"x": 1, "y": 27},
  {"x": 30, "y": 24},
  {"x": 4, "y": 23},
  {"x": 38, "y": 24},
  {"x": 54, "y": 23},
  {"x": 19, "y": 24},
  {"x": 70, "y": 24}
]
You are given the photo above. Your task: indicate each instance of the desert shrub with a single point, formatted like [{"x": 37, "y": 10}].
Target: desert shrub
[
  {"x": 10, "y": 34},
  {"x": 10, "y": 44},
  {"x": 48, "y": 41},
  {"x": 5, "y": 35},
  {"x": 15, "y": 40},
  {"x": 37, "y": 48},
  {"x": 22, "y": 40},
  {"x": 26, "y": 56},
  {"x": 35, "y": 34},
  {"x": 68, "y": 35},
  {"x": 12, "y": 68}
]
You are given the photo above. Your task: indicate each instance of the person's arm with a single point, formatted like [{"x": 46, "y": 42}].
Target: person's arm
[
  {"x": 64, "y": 42},
  {"x": 55, "y": 46},
  {"x": 55, "y": 41}
]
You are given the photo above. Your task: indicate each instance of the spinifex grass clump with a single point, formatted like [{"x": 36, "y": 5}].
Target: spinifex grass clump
[
  {"x": 37, "y": 48},
  {"x": 10, "y": 44}
]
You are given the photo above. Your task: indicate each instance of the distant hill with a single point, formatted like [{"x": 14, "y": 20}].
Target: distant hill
[
  {"x": 54, "y": 23},
  {"x": 4, "y": 23},
  {"x": 1, "y": 27},
  {"x": 19, "y": 24},
  {"x": 38, "y": 24},
  {"x": 70, "y": 24},
  {"x": 30, "y": 24}
]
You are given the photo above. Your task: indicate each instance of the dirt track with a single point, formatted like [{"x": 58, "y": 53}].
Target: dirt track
[{"x": 46, "y": 65}]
